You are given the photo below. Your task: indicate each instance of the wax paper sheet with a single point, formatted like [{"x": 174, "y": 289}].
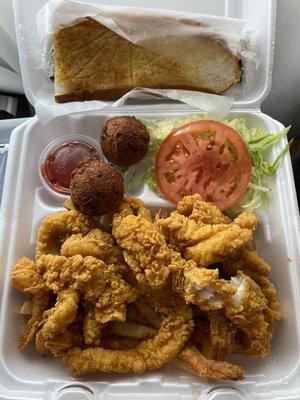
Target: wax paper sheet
[{"x": 169, "y": 33}]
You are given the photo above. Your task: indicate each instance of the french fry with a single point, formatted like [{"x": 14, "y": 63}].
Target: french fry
[
  {"x": 149, "y": 314},
  {"x": 119, "y": 343},
  {"x": 134, "y": 315},
  {"x": 26, "y": 308},
  {"x": 131, "y": 330}
]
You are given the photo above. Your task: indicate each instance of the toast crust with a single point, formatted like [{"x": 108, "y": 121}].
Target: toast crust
[
  {"x": 115, "y": 94},
  {"x": 75, "y": 90}
]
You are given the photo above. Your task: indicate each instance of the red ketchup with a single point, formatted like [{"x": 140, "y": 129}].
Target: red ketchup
[{"x": 60, "y": 164}]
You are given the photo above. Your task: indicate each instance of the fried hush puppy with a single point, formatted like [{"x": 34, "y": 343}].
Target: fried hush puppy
[
  {"x": 187, "y": 289},
  {"x": 96, "y": 188},
  {"x": 124, "y": 140}
]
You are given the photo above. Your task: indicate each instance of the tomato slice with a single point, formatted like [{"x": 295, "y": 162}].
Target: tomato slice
[{"x": 205, "y": 157}]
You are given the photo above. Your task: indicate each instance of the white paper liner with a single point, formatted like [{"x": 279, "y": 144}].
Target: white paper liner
[
  {"x": 168, "y": 33},
  {"x": 214, "y": 105}
]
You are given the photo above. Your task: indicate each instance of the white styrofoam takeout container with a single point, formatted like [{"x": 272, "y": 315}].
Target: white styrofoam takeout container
[{"x": 25, "y": 375}]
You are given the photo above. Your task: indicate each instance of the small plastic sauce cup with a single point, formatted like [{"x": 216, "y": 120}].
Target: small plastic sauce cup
[{"x": 62, "y": 156}]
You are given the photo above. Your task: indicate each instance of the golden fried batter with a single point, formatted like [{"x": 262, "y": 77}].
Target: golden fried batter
[
  {"x": 26, "y": 278},
  {"x": 131, "y": 206},
  {"x": 99, "y": 283},
  {"x": 96, "y": 243},
  {"x": 144, "y": 249},
  {"x": 55, "y": 229},
  {"x": 182, "y": 232},
  {"x": 91, "y": 328},
  {"x": 41, "y": 303},
  {"x": 202, "y": 287},
  {"x": 220, "y": 246},
  {"x": 210, "y": 369},
  {"x": 222, "y": 333},
  {"x": 174, "y": 332},
  {"x": 200, "y": 211},
  {"x": 62, "y": 314},
  {"x": 207, "y": 243},
  {"x": 195, "y": 267},
  {"x": 60, "y": 343},
  {"x": 247, "y": 312}
]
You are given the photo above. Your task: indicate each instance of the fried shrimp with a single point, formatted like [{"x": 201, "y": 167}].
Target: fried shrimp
[
  {"x": 171, "y": 337},
  {"x": 186, "y": 288},
  {"x": 96, "y": 243},
  {"x": 222, "y": 333},
  {"x": 59, "y": 344},
  {"x": 210, "y": 369},
  {"x": 26, "y": 278},
  {"x": 62, "y": 314},
  {"x": 55, "y": 229},
  {"x": 41, "y": 303}
]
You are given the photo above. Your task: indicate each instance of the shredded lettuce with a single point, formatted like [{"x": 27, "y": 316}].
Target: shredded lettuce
[{"x": 259, "y": 143}]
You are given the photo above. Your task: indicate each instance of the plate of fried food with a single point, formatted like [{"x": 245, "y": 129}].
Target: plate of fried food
[{"x": 144, "y": 250}]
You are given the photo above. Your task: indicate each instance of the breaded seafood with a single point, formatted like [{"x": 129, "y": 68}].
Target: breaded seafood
[{"x": 189, "y": 288}]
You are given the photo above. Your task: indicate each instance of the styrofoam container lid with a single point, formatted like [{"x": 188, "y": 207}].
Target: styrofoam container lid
[{"x": 259, "y": 17}]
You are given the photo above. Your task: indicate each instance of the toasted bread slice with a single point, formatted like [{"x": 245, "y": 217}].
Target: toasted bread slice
[{"x": 93, "y": 62}]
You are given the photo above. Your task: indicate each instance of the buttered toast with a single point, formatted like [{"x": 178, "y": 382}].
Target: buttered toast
[{"x": 93, "y": 62}]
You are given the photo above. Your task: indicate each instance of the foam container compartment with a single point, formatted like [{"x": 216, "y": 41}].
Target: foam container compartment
[
  {"x": 26, "y": 203},
  {"x": 25, "y": 375}
]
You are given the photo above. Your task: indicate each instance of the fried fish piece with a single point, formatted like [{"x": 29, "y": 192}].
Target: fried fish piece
[
  {"x": 221, "y": 245},
  {"x": 99, "y": 283},
  {"x": 202, "y": 212},
  {"x": 253, "y": 266},
  {"x": 182, "y": 232},
  {"x": 144, "y": 249},
  {"x": 202, "y": 233},
  {"x": 202, "y": 287},
  {"x": 248, "y": 312}
]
